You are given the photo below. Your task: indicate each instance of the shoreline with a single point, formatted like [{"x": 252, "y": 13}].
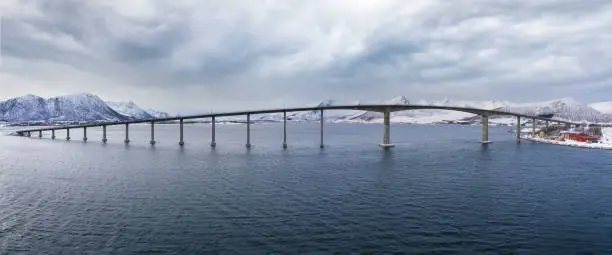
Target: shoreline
[{"x": 600, "y": 146}]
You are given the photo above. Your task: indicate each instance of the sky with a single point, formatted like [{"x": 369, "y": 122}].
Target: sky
[{"x": 199, "y": 56}]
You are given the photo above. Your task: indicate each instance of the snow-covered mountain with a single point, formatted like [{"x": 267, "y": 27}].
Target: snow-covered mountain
[
  {"x": 88, "y": 107},
  {"x": 564, "y": 108},
  {"x": 130, "y": 109},
  {"x": 157, "y": 114},
  {"x": 604, "y": 107},
  {"x": 312, "y": 115},
  {"x": 421, "y": 116},
  {"x": 77, "y": 107},
  {"x": 81, "y": 107},
  {"x": 25, "y": 108},
  {"x": 309, "y": 115}
]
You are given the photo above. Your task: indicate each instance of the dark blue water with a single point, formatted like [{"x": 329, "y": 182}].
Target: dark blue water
[{"x": 439, "y": 191}]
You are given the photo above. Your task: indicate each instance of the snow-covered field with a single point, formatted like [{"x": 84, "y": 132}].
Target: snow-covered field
[{"x": 607, "y": 136}]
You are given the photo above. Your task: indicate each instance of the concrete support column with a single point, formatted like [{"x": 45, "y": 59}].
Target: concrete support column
[
  {"x": 248, "y": 143},
  {"x": 213, "y": 142},
  {"x": 152, "y": 141},
  {"x": 485, "y": 129},
  {"x": 547, "y": 124},
  {"x": 181, "y": 142},
  {"x": 518, "y": 129},
  {"x": 322, "y": 145},
  {"x": 67, "y": 134},
  {"x": 39, "y": 133},
  {"x": 386, "y": 141},
  {"x": 84, "y": 134},
  {"x": 53, "y": 134},
  {"x": 284, "y": 130},
  {"x": 104, "y": 140},
  {"x": 29, "y": 134},
  {"x": 533, "y": 128},
  {"x": 127, "y": 134}
]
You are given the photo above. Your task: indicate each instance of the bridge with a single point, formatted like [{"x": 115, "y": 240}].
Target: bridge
[{"x": 385, "y": 109}]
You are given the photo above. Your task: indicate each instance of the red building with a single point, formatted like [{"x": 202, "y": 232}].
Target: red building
[{"x": 579, "y": 136}]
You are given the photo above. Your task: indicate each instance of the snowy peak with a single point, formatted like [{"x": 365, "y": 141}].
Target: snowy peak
[
  {"x": 130, "y": 109},
  {"x": 326, "y": 103},
  {"x": 603, "y": 107},
  {"x": 158, "y": 114},
  {"x": 81, "y": 107},
  {"x": 563, "y": 108},
  {"x": 25, "y": 108},
  {"x": 401, "y": 100}
]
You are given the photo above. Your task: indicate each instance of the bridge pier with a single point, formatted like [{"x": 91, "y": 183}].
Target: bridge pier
[
  {"x": 518, "y": 129},
  {"x": 213, "y": 142},
  {"x": 485, "y": 129},
  {"x": 248, "y": 143},
  {"x": 104, "y": 140},
  {"x": 152, "y": 141},
  {"x": 386, "y": 142},
  {"x": 84, "y": 134},
  {"x": 285, "y": 130},
  {"x": 127, "y": 134},
  {"x": 67, "y": 134},
  {"x": 29, "y": 134},
  {"x": 322, "y": 120},
  {"x": 181, "y": 142},
  {"x": 53, "y": 134},
  {"x": 39, "y": 133}
]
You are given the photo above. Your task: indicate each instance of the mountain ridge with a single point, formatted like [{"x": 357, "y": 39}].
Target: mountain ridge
[
  {"x": 82, "y": 107},
  {"x": 90, "y": 108}
]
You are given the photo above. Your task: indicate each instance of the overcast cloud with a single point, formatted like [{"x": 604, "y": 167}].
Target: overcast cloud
[{"x": 193, "y": 55}]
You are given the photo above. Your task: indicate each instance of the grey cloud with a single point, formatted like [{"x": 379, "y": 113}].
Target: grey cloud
[{"x": 447, "y": 48}]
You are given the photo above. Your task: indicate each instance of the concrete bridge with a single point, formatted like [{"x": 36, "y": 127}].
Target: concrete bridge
[{"x": 384, "y": 109}]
